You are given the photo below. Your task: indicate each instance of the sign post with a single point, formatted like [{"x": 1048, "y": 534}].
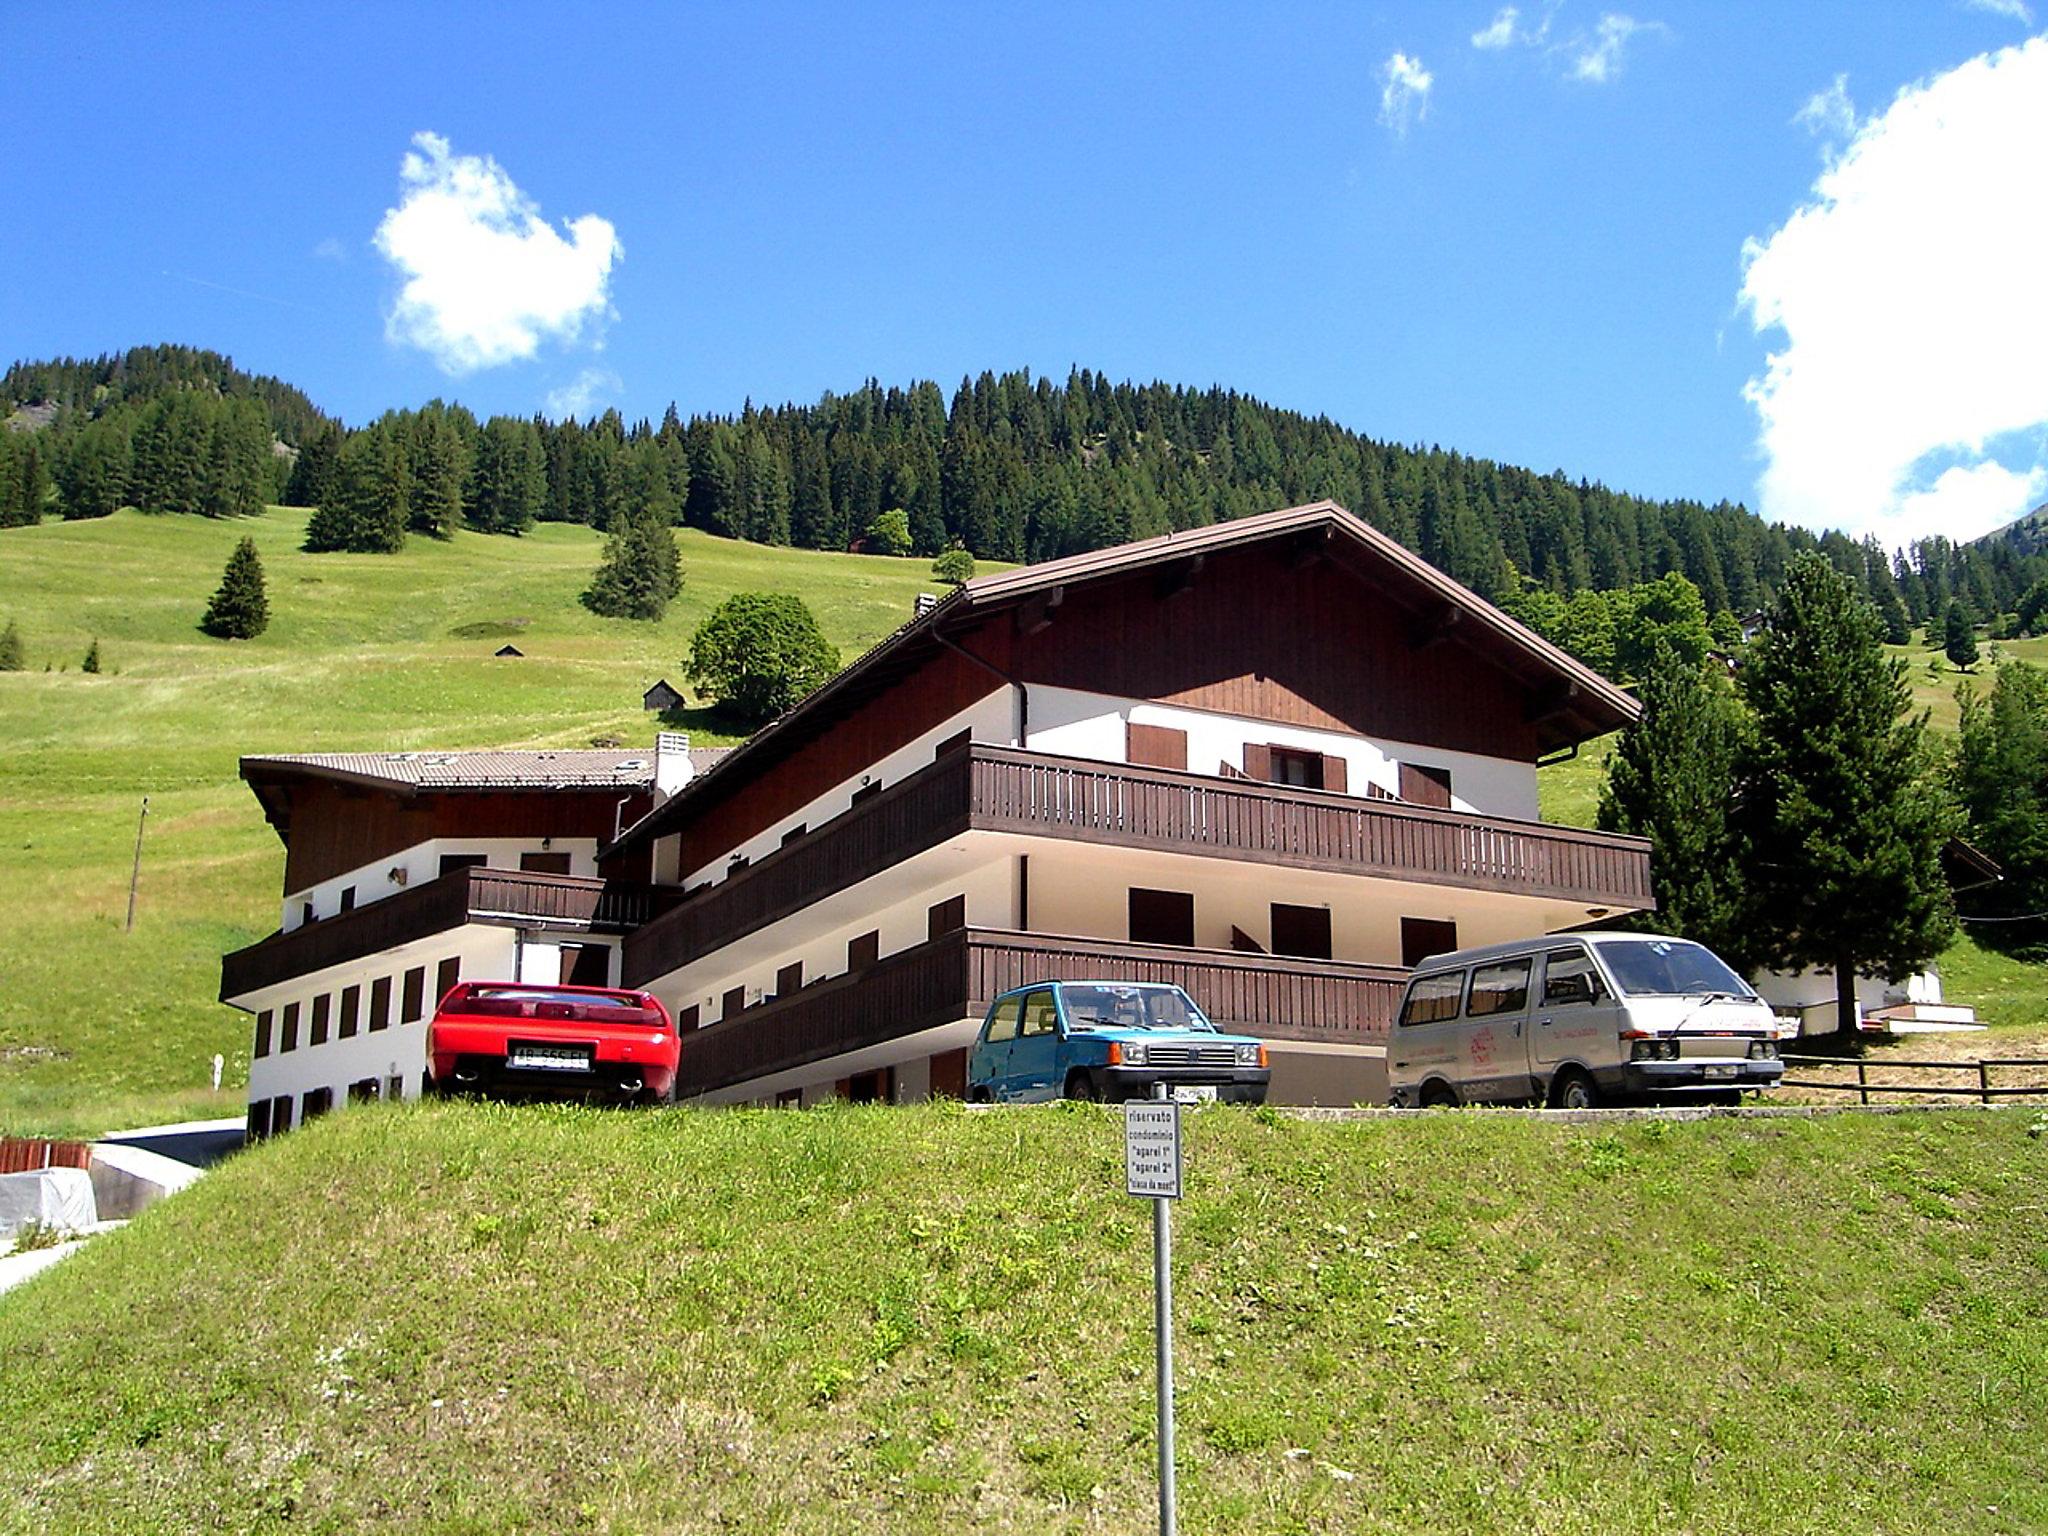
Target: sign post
[{"x": 1152, "y": 1171}]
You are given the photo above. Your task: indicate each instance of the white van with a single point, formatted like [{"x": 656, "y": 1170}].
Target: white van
[{"x": 1578, "y": 1019}]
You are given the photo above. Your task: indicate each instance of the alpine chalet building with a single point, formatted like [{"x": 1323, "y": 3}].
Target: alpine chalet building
[{"x": 1277, "y": 761}]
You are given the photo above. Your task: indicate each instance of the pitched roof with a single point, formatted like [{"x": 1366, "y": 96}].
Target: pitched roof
[
  {"x": 414, "y": 772},
  {"x": 1587, "y": 703}
]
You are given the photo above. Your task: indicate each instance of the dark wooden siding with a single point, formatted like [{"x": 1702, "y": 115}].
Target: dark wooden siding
[{"x": 1156, "y": 746}]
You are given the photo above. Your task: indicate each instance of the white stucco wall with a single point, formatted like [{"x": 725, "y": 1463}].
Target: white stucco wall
[{"x": 422, "y": 862}]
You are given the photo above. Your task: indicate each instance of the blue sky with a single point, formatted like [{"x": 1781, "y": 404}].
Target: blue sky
[{"x": 1523, "y": 237}]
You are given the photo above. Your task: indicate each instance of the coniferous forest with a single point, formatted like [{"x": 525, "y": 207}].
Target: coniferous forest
[{"x": 1011, "y": 467}]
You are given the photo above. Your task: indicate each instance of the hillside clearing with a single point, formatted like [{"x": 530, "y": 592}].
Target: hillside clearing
[{"x": 474, "y": 1318}]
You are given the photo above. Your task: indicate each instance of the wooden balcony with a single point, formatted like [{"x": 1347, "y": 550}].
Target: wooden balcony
[
  {"x": 505, "y": 897},
  {"x": 956, "y": 976},
  {"x": 1033, "y": 794}
]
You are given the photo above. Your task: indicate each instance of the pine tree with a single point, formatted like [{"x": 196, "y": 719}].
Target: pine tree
[
  {"x": 240, "y": 610},
  {"x": 1670, "y": 778},
  {"x": 92, "y": 476},
  {"x": 640, "y": 574},
  {"x": 1960, "y": 641},
  {"x": 367, "y": 511},
  {"x": 14, "y": 510},
  {"x": 2001, "y": 783},
  {"x": 92, "y": 657},
  {"x": 1842, "y": 820},
  {"x": 11, "y": 659},
  {"x": 508, "y": 482}
]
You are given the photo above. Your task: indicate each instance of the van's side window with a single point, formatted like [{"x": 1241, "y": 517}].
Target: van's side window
[
  {"x": 1433, "y": 998},
  {"x": 1039, "y": 1015},
  {"x": 1499, "y": 988},
  {"x": 1568, "y": 978},
  {"x": 1004, "y": 1025}
]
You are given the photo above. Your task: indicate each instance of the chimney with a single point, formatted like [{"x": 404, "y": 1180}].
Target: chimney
[
  {"x": 672, "y": 767},
  {"x": 924, "y": 604}
]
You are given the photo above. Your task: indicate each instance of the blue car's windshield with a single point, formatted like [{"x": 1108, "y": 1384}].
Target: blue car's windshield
[{"x": 1131, "y": 1007}]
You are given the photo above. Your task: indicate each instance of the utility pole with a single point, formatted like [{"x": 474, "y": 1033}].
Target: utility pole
[{"x": 135, "y": 875}]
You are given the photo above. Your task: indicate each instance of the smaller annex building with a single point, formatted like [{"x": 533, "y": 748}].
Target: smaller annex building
[{"x": 406, "y": 872}]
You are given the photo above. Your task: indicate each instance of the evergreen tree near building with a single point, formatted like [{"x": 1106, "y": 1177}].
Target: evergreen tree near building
[
  {"x": 11, "y": 658},
  {"x": 240, "y": 609},
  {"x": 1671, "y": 778},
  {"x": 92, "y": 657},
  {"x": 640, "y": 573},
  {"x": 758, "y": 653},
  {"x": 1960, "y": 639},
  {"x": 1837, "y": 806}
]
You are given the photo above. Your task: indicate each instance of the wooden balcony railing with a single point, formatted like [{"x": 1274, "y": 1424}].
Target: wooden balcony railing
[
  {"x": 999, "y": 789},
  {"x": 956, "y": 976},
  {"x": 506, "y": 897}
]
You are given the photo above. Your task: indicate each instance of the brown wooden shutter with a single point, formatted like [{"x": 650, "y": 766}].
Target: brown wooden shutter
[
  {"x": 1258, "y": 762},
  {"x": 790, "y": 979},
  {"x": 734, "y": 1004},
  {"x": 863, "y": 950},
  {"x": 953, "y": 743},
  {"x": 949, "y": 1074},
  {"x": 1155, "y": 746},
  {"x": 1423, "y": 785},
  {"x": 686, "y": 1018},
  {"x": 1335, "y": 774},
  {"x": 946, "y": 917}
]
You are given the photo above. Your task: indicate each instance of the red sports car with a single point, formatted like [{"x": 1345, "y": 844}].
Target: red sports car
[{"x": 506, "y": 1037}]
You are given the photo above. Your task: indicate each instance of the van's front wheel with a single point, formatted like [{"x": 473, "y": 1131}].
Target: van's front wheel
[
  {"x": 1574, "y": 1090},
  {"x": 1082, "y": 1086},
  {"x": 1438, "y": 1096}
]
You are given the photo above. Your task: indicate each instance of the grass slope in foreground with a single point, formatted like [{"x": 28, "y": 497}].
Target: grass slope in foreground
[
  {"x": 100, "y": 1028},
  {"x": 469, "y": 1318}
]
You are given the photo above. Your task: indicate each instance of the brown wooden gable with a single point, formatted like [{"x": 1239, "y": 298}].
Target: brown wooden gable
[{"x": 333, "y": 828}]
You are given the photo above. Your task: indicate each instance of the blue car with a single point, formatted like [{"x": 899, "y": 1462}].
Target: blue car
[{"x": 1109, "y": 1040}]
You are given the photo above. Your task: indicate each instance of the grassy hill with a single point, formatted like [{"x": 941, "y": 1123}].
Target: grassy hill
[
  {"x": 464, "y": 1318},
  {"x": 100, "y": 1028}
]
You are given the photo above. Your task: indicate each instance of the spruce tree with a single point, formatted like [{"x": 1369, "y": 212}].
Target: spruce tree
[
  {"x": 366, "y": 513},
  {"x": 1841, "y": 818},
  {"x": 92, "y": 476},
  {"x": 508, "y": 481},
  {"x": 92, "y": 657},
  {"x": 11, "y": 659},
  {"x": 1960, "y": 639},
  {"x": 639, "y": 575},
  {"x": 2001, "y": 783},
  {"x": 240, "y": 610},
  {"x": 1670, "y": 778}
]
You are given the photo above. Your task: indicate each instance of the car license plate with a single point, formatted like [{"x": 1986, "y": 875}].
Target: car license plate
[
  {"x": 1195, "y": 1093},
  {"x": 1720, "y": 1071},
  {"x": 551, "y": 1058}
]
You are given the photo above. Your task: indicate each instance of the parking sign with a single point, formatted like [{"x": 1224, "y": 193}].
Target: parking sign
[{"x": 1152, "y": 1150}]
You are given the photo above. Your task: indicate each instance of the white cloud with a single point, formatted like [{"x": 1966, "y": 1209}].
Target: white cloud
[
  {"x": 1404, "y": 93},
  {"x": 2011, "y": 10},
  {"x": 1906, "y": 395},
  {"x": 1598, "y": 58},
  {"x": 1829, "y": 114},
  {"x": 1500, "y": 32},
  {"x": 582, "y": 394},
  {"x": 487, "y": 279}
]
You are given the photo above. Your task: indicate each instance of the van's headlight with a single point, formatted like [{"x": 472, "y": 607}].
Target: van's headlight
[
  {"x": 1249, "y": 1054},
  {"x": 1132, "y": 1053}
]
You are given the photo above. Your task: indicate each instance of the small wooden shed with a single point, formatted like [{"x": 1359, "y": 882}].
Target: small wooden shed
[{"x": 661, "y": 696}]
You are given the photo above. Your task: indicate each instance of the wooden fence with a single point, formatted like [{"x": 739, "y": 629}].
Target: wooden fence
[
  {"x": 20, "y": 1154},
  {"x": 1984, "y": 1091}
]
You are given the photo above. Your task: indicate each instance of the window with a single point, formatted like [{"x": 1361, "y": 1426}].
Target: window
[
  {"x": 314, "y": 1103},
  {"x": 1162, "y": 917},
  {"x": 394, "y": 1087},
  {"x": 280, "y": 1114},
  {"x": 380, "y": 1003},
  {"x": 587, "y": 965},
  {"x": 953, "y": 743},
  {"x": 734, "y": 1003},
  {"x": 1423, "y": 785},
  {"x": 1301, "y": 770},
  {"x": 1004, "y": 1025},
  {"x": 450, "y": 862},
  {"x": 790, "y": 1098},
  {"x": 1669, "y": 968},
  {"x": 1422, "y": 937},
  {"x": 1155, "y": 746},
  {"x": 545, "y": 863},
  {"x": 1499, "y": 988},
  {"x": 794, "y": 833},
  {"x": 305, "y": 912},
  {"x": 351, "y": 1007},
  {"x": 289, "y": 1034},
  {"x": 323, "y": 1009},
  {"x": 348, "y": 898},
  {"x": 262, "y": 1034},
  {"x": 790, "y": 979},
  {"x": 446, "y": 974},
  {"x": 876, "y": 1087},
  {"x": 1040, "y": 1016},
  {"x": 946, "y": 917},
  {"x": 1432, "y": 999},
  {"x": 686, "y": 1018},
  {"x": 1301, "y": 931},
  {"x": 415, "y": 995},
  {"x": 1569, "y": 978},
  {"x": 862, "y": 950},
  {"x": 865, "y": 792},
  {"x": 363, "y": 1091},
  {"x": 258, "y": 1125},
  {"x": 949, "y": 1075}
]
